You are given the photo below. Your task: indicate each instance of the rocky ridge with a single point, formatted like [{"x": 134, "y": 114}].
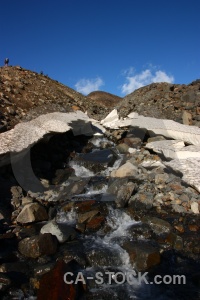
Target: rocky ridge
[
  {"x": 24, "y": 95},
  {"x": 105, "y": 99},
  {"x": 177, "y": 102}
]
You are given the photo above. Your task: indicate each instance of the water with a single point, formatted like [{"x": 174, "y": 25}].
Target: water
[
  {"x": 80, "y": 171},
  {"x": 103, "y": 249}
]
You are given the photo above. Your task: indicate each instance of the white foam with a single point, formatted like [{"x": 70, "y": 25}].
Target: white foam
[
  {"x": 66, "y": 217},
  {"x": 80, "y": 171}
]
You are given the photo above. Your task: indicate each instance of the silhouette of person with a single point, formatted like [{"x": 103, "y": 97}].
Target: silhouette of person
[{"x": 6, "y": 62}]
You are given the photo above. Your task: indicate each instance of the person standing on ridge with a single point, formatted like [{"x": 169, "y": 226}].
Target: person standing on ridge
[{"x": 6, "y": 62}]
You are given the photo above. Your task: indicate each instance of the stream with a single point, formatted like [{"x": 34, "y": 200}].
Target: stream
[{"x": 108, "y": 238}]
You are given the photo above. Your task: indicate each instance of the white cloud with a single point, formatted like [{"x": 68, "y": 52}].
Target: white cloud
[
  {"x": 128, "y": 72},
  {"x": 86, "y": 86},
  {"x": 144, "y": 78}
]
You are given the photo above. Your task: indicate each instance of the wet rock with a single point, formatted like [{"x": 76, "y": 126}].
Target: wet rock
[
  {"x": 128, "y": 169},
  {"x": 87, "y": 216},
  {"x": 140, "y": 230},
  {"x": 95, "y": 223},
  {"x": 160, "y": 227},
  {"x": 73, "y": 186},
  {"x": 98, "y": 156},
  {"x": 100, "y": 256},
  {"x": 122, "y": 190},
  {"x": 62, "y": 231},
  {"x": 35, "y": 246},
  {"x": 41, "y": 270},
  {"x": 175, "y": 241},
  {"x": 33, "y": 212},
  {"x": 62, "y": 175},
  {"x": 142, "y": 255},
  {"x": 84, "y": 206},
  {"x": 52, "y": 285},
  {"x": 73, "y": 251}
]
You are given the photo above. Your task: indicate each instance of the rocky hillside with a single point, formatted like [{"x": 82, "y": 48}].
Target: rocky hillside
[
  {"x": 105, "y": 99},
  {"x": 180, "y": 103},
  {"x": 25, "y": 95}
]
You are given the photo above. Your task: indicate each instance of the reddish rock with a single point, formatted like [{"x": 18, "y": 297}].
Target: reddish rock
[
  {"x": 95, "y": 223},
  {"x": 87, "y": 216},
  {"x": 52, "y": 285},
  {"x": 85, "y": 206}
]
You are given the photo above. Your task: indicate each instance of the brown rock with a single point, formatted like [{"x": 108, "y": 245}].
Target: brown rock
[
  {"x": 177, "y": 188},
  {"x": 187, "y": 118},
  {"x": 87, "y": 216},
  {"x": 132, "y": 142},
  {"x": 95, "y": 223},
  {"x": 179, "y": 227},
  {"x": 193, "y": 227},
  {"x": 142, "y": 255},
  {"x": 52, "y": 285},
  {"x": 198, "y": 110},
  {"x": 85, "y": 206},
  {"x": 35, "y": 246}
]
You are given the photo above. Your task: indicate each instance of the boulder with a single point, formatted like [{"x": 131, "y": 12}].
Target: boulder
[
  {"x": 35, "y": 246},
  {"x": 100, "y": 256},
  {"x": 62, "y": 231},
  {"x": 142, "y": 255},
  {"x": 159, "y": 227},
  {"x": 122, "y": 190},
  {"x": 128, "y": 169},
  {"x": 32, "y": 212},
  {"x": 53, "y": 286}
]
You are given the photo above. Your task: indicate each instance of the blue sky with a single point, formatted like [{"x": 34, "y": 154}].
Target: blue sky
[{"x": 110, "y": 45}]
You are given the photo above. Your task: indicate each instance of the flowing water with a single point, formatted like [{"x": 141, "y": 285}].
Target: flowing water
[{"x": 118, "y": 278}]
